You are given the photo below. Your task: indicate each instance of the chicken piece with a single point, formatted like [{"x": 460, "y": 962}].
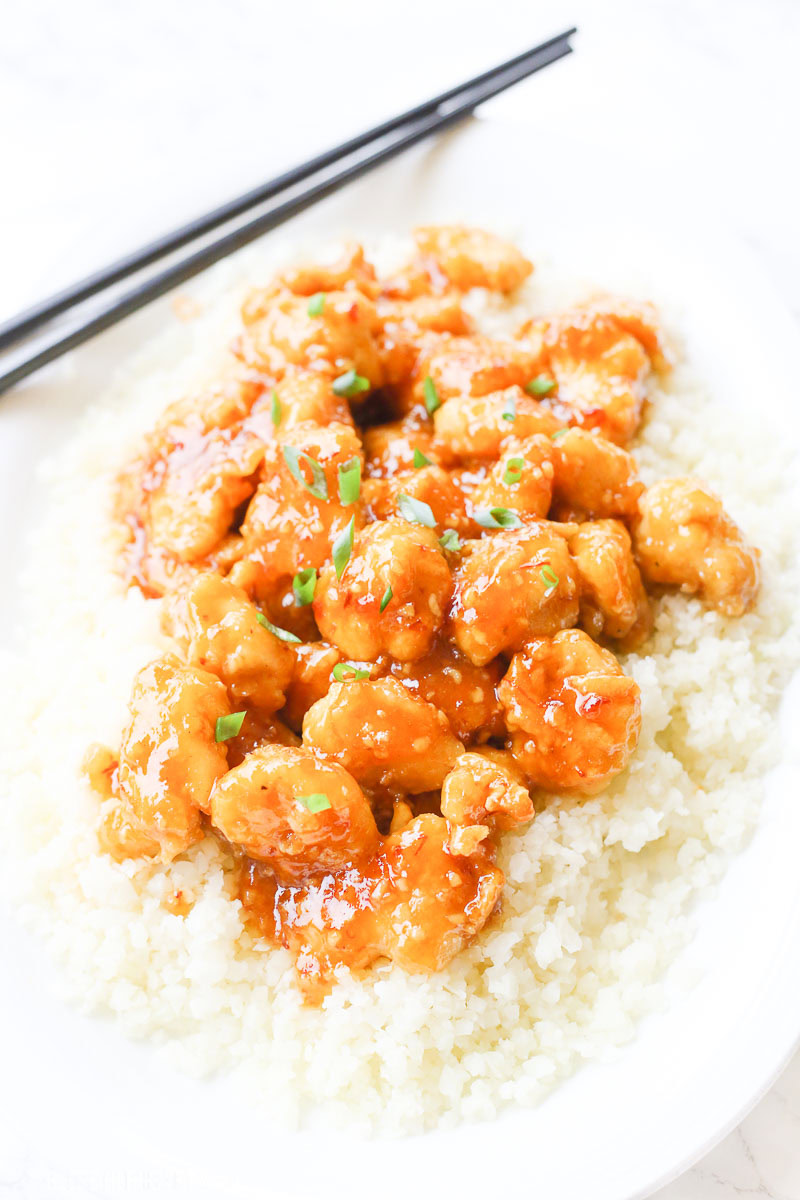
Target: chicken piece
[
  {"x": 511, "y": 587},
  {"x": 685, "y": 538},
  {"x": 350, "y": 270},
  {"x": 574, "y": 715},
  {"x": 400, "y": 344},
  {"x": 416, "y": 902},
  {"x": 383, "y": 735},
  {"x": 300, "y": 398},
  {"x": 217, "y": 627},
  {"x": 479, "y": 426},
  {"x": 283, "y": 331},
  {"x": 313, "y": 676},
  {"x": 472, "y": 258},
  {"x": 291, "y": 525},
  {"x": 180, "y": 496},
  {"x": 295, "y": 812},
  {"x": 420, "y": 298},
  {"x": 204, "y": 482},
  {"x": 412, "y": 328},
  {"x": 439, "y": 314},
  {"x": 503, "y": 759},
  {"x": 222, "y": 558},
  {"x": 614, "y": 603},
  {"x": 311, "y": 679},
  {"x": 433, "y": 486},
  {"x": 479, "y": 791},
  {"x": 593, "y": 477},
  {"x": 640, "y": 320},
  {"x": 258, "y": 729},
  {"x": 389, "y": 450},
  {"x": 417, "y": 278},
  {"x": 168, "y": 762},
  {"x": 521, "y": 480},
  {"x": 601, "y": 369},
  {"x": 466, "y": 694},
  {"x": 469, "y": 366},
  {"x": 392, "y": 596}
]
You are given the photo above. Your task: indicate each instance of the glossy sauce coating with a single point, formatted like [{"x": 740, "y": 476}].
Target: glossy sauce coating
[
  {"x": 572, "y": 713},
  {"x": 394, "y": 552},
  {"x": 168, "y": 762},
  {"x": 417, "y": 902}
]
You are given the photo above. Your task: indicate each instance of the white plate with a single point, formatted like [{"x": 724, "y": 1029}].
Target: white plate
[{"x": 89, "y": 1110}]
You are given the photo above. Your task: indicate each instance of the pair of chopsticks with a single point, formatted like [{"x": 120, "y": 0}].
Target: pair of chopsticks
[{"x": 354, "y": 158}]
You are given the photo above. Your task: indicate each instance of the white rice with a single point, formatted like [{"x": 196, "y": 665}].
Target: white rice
[{"x": 598, "y": 895}]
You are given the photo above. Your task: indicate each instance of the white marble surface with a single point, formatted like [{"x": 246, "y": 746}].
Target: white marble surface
[{"x": 120, "y": 120}]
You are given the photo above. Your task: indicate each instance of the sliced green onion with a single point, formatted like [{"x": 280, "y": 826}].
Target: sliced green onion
[
  {"x": 283, "y": 634},
  {"x": 304, "y": 585},
  {"x": 432, "y": 401},
  {"x": 316, "y": 802},
  {"x": 276, "y": 410},
  {"x": 510, "y": 409},
  {"x": 513, "y": 471},
  {"x": 415, "y": 510},
  {"x": 347, "y": 672},
  {"x": 549, "y": 577},
  {"x": 350, "y": 481},
  {"x": 293, "y": 458},
  {"x": 316, "y": 304},
  {"x": 450, "y": 540},
  {"x": 387, "y": 595},
  {"x": 559, "y": 433},
  {"x": 350, "y": 384},
  {"x": 228, "y": 727},
  {"x": 342, "y": 547},
  {"x": 420, "y": 460},
  {"x": 497, "y": 518},
  {"x": 542, "y": 385}
]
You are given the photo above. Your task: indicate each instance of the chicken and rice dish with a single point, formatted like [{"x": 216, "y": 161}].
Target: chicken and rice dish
[{"x": 397, "y": 561}]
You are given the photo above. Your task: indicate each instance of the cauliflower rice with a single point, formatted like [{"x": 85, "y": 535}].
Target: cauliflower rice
[{"x": 598, "y": 891}]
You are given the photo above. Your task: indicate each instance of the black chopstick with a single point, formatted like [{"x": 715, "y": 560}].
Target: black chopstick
[
  {"x": 493, "y": 83},
  {"x": 25, "y": 322}
]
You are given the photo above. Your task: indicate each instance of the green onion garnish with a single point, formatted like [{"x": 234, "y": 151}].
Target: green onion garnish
[
  {"x": 276, "y": 410},
  {"x": 513, "y": 471},
  {"x": 450, "y": 540},
  {"x": 415, "y": 510},
  {"x": 293, "y": 458},
  {"x": 497, "y": 518},
  {"x": 350, "y": 480},
  {"x": 228, "y": 727},
  {"x": 559, "y": 433},
  {"x": 549, "y": 577},
  {"x": 316, "y": 802},
  {"x": 420, "y": 460},
  {"x": 510, "y": 410},
  {"x": 432, "y": 401},
  {"x": 347, "y": 672},
  {"x": 350, "y": 384},
  {"x": 283, "y": 634},
  {"x": 542, "y": 385},
  {"x": 387, "y": 595},
  {"x": 342, "y": 547},
  {"x": 304, "y": 584},
  {"x": 316, "y": 304}
]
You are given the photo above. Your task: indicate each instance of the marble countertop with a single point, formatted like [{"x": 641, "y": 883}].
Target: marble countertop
[{"x": 120, "y": 121}]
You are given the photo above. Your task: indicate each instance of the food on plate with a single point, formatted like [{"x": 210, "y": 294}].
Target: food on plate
[
  {"x": 468, "y": 537},
  {"x": 425, "y": 675}
]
